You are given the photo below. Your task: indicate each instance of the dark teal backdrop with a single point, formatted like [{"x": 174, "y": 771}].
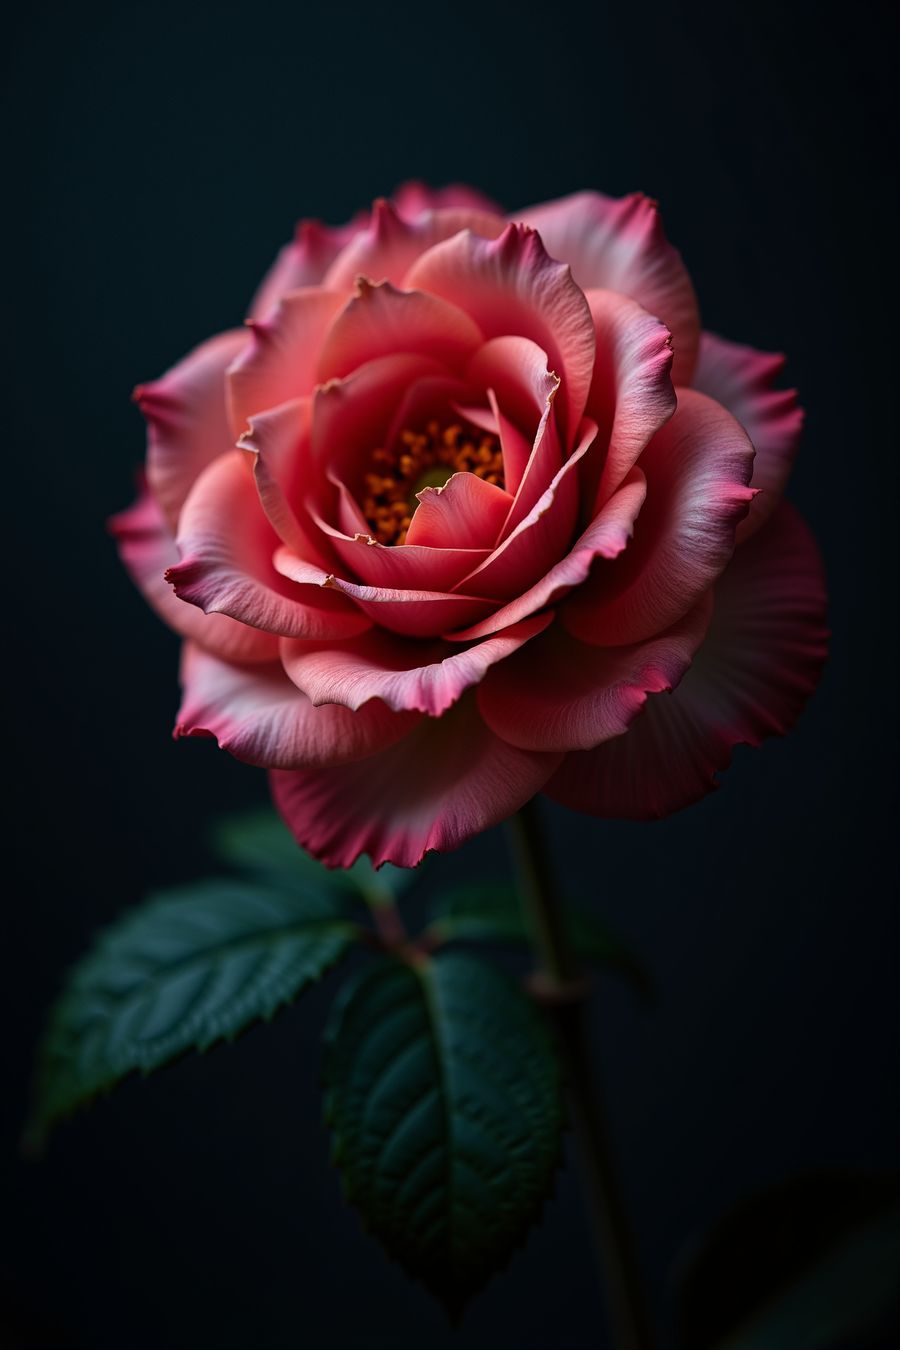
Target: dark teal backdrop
[{"x": 160, "y": 153}]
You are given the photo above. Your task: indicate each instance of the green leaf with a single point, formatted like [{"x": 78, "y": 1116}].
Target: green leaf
[
  {"x": 492, "y": 912},
  {"x": 257, "y": 842},
  {"x": 445, "y": 1100},
  {"x": 185, "y": 969},
  {"x": 806, "y": 1265}
]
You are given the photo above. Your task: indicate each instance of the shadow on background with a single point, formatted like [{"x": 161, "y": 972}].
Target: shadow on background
[{"x": 160, "y": 155}]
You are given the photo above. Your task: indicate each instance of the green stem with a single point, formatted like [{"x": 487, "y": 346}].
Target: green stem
[{"x": 559, "y": 978}]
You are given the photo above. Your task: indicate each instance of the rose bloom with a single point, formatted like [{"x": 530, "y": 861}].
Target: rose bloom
[{"x": 472, "y": 508}]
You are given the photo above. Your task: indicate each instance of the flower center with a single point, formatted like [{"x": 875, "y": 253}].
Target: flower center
[{"x": 423, "y": 459}]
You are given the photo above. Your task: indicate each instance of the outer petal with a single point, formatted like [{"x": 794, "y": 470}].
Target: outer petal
[
  {"x": 389, "y": 246},
  {"x": 147, "y": 548},
  {"x": 429, "y": 677},
  {"x": 187, "y": 421},
  {"x": 304, "y": 261},
  {"x": 631, "y": 394},
  {"x": 743, "y": 381},
  {"x": 449, "y": 779},
  {"x": 257, "y": 714},
  {"x": 226, "y": 547},
  {"x": 414, "y": 199},
  {"x": 563, "y": 695},
  {"x": 511, "y": 286},
  {"x": 619, "y": 245},
  {"x": 380, "y": 320},
  {"x": 605, "y": 537},
  {"x": 280, "y": 361},
  {"x": 697, "y": 471},
  {"x": 749, "y": 679}
]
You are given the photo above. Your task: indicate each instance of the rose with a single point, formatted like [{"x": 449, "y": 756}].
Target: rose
[{"x": 460, "y": 503}]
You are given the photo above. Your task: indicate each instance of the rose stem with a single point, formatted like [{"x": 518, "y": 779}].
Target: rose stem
[{"x": 563, "y": 993}]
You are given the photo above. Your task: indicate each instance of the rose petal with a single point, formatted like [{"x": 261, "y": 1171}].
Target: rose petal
[
  {"x": 543, "y": 465},
  {"x": 632, "y": 395},
  {"x": 279, "y": 363},
  {"x": 304, "y": 261},
  {"x": 449, "y": 779},
  {"x": 389, "y": 246},
  {"x": 427, "y": 399},
  {"x": 605, "y": 537},
  {"x": 619, "y": 245},
  {"x": 697, "y": 469},
  {"x": 743, "y": 381},
  {"x": 467, "y": 512},
  {"x": 561, "y": 694},
  {"x": 429, "y": 677},
  {"x": 750, "y": 679},
  {"x": 414, "y": 613},
  {"x": 226, "y": 546},
  {"x": 187, "y": 419},
  {"x": 541, "y": 537},
  {"x": 402, "y": 566},
  {"x": 259, "y": 716},
  {"x": 380, "y": 320},
  {"x": 510, "y": 285},
  {"x": 353, "y": 416},
  {"x": 278, "y": 443},
  {"x": 147, "y": 548},
  {"x": 516, "y": 370}
]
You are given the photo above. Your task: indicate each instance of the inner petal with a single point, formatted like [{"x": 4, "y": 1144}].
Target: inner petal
[{"x": 419, "y": 459}]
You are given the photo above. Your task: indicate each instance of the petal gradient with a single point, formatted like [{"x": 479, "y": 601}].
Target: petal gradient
[
  {"x": 619, "y": 245},
  {"x": 743, "y": 381},
  {"x": 698, "y": 467},
  {"x": 259, "y": 716},
  {"x": 449, "y": 779},
  {"x": 750, "y": 679},
  {"x": 429, "y": 677},
  {"x": 564, "y": 695},
  {"x": 187, "y": 419}
]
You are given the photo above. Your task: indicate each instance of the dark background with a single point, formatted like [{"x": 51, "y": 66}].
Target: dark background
[{"x": 160, "y": 154}]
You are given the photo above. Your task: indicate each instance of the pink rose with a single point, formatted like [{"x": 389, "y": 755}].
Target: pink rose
[{"x": 458, "y": 504}]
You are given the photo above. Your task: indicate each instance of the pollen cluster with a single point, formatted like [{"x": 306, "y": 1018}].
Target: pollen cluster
[{"x": 423, "y": 459}]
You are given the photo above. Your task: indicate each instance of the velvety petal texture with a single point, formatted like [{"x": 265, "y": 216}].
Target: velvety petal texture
[
  {"x": 405, "y": 675},
  {"x": 511, "y": 285},
  {"x": 262, "y": 718},
  {"x": 750, "y": 679},
  {"x": 620, "y": 245},
  {"x": 471, "y": 508},
  {"x": 745, "y": 382},
  {"x": 187, "y": 419},
  {"x": 698, "y": 471},
  {"x": 566, "y": 695},
  {"x": 449, "y": 779},
  {"x": 226, "y": 547},
  {"x": 147, "y": 549}
]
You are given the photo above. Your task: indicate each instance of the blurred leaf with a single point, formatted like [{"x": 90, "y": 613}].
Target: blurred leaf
[
  {"x": 444, "y": 1097},
  {"x": 187, "y": 968},
  {"x": 492, "y": 912},
  {"x": 259, "y": 843},
  {"x": 802, "y": 1266}
]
